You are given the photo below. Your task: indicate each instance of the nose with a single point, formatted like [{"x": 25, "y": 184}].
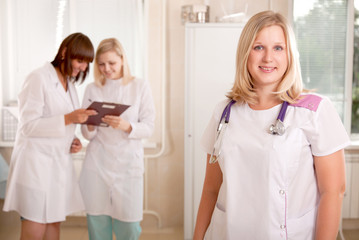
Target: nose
[
  {"x": 267, "y": 57},
  {"x": 107, "y": 67},
  {"x": 83, "y": 66}
]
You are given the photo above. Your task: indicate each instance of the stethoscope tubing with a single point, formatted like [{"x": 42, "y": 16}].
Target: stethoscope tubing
[
  {"x": 227, "y": 111},
  {"x": 282, "y": 111},
  {"x": 277, "y": 128}
]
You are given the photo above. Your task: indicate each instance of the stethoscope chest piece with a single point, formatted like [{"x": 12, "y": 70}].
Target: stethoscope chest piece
[{"x": 277, "y": 128}]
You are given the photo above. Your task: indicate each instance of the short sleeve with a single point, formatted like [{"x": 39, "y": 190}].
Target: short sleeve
[
  {"x": 209, "y": 135},
  {"x": 325, "y": 130}
]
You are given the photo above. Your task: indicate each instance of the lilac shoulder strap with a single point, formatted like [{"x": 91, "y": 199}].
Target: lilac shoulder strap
[{"x": 309, "y": 101}]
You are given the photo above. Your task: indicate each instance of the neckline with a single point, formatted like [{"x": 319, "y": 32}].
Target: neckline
[
  {"x": 119, "y": 80},
  {"x": 263, "y": 110},
  {"x": 63, "y": 80}
]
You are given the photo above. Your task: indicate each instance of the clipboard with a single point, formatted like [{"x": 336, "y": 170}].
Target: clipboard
[{"x": 104, "y": 108}]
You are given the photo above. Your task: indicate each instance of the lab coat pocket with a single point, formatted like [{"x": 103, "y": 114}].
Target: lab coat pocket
[
  {"x": 302, "y": 228},
  {"x": 217, "y": 227},
  {"x": 35, "y": 168}
]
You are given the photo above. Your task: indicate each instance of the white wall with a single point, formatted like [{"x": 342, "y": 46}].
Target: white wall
[{"x": 166, "y": 173}]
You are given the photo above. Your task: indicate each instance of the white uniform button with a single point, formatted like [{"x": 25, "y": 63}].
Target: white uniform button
[
  {"x": 282, "y": 226},
  {"x": 281, "y": 192}
]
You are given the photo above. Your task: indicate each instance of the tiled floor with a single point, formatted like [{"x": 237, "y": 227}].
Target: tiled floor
[
  {"x": 75, "y": 229},
  {"x": 350, "y": 234},
  {"x": 78, "y": 231}
]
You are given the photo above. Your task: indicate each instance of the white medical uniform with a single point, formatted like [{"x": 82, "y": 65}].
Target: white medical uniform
[
  {"x": 269, "y": 188},
  {"x": 111, "y": 180},
  {"x": 42, "y": 185}
]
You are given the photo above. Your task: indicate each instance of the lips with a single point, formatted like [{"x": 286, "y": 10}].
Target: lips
[{"x": 267, "y": 69}]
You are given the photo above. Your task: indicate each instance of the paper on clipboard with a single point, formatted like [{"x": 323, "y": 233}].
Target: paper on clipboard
[{"x": 104, "y": 108}]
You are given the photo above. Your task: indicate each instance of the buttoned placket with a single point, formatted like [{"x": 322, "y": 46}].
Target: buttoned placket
[{"x": 283, "y": 226}]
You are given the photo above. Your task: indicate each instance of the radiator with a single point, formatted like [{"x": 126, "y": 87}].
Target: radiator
[{"x": 351, "y": 197}]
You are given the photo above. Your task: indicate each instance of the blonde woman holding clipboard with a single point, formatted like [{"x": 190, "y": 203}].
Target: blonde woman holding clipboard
[{"x": 112, "y": 177}]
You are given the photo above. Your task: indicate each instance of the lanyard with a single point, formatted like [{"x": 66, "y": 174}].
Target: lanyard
[{"x": 277, "y": 128}]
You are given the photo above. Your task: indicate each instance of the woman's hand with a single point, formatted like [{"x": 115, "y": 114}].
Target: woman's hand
[
  {"x": 79, "y": 116},
  {"x": 76, "y": 146},
  {"x": 117, "y": 123}
]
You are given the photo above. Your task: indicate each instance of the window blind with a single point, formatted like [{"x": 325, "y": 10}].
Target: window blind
[{"x": 320, "y": 29}]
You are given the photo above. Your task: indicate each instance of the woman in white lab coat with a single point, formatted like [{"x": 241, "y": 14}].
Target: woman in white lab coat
[
  {"x": 272, "y": 181},
  {"x": 111, "y": 180},
  {"x": 42, "y": 185}
]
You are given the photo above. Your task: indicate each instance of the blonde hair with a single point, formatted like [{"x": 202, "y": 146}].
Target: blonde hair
[
  {"x": 111, "y": 44},
  {"x": 291, "y": 86}
]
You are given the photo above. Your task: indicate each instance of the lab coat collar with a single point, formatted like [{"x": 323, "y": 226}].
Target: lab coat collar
[
  {"x": 73, "y": 94},
  {"x": 55, "y": 80}
]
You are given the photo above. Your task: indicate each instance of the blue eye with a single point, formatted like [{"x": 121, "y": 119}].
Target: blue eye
[
  {"x": 259, "y": 47},
  {"x": 278, "y": 48}
]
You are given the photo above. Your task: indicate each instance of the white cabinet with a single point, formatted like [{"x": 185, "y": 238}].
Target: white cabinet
[{"x": 209, "y": 70}]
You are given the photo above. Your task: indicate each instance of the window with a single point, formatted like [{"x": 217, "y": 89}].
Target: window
[
  {"x": 355, "y": 86},
  {"x": 321, "y": 32},
  {"x": 32, "y": 31}
]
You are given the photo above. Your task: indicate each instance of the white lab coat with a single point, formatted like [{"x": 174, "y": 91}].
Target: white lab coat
[
  {"x": 111, "y": 179},
  {"x": 269, "y": 188},
  {"x": 42, "y": 185}
]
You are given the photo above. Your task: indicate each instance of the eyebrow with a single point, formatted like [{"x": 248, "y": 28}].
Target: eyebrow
[{"x": 276, "y": 43}]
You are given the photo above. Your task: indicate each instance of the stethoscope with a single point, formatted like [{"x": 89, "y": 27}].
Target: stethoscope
[{"x": 276, "y": 128}]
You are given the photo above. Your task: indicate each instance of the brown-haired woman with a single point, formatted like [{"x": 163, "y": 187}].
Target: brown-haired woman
[{"x": 42, "y": 185}]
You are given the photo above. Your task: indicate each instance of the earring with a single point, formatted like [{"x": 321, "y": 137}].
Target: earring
[{"x": 62, "y": 58}]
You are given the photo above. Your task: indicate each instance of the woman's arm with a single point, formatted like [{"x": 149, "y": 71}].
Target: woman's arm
[
  {"x": 212, "y": 183},
  {"x": 144, "y": 126},
  {"x": 330, "y": 171},
  {"x": 78, "y": 116}
]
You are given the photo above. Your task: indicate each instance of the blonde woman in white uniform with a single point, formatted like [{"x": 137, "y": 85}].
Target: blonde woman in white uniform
[
  {"x": 266, "y": 186},
  {"x": 42, "y": 185},
  {"x": 111, "y": 180}
]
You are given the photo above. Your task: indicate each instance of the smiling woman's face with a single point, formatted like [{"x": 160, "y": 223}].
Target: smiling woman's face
[
  {"x": 268, "y": 59},
  {"x": 110, "y": 65},
  {"x": 78, "y": 66}
]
